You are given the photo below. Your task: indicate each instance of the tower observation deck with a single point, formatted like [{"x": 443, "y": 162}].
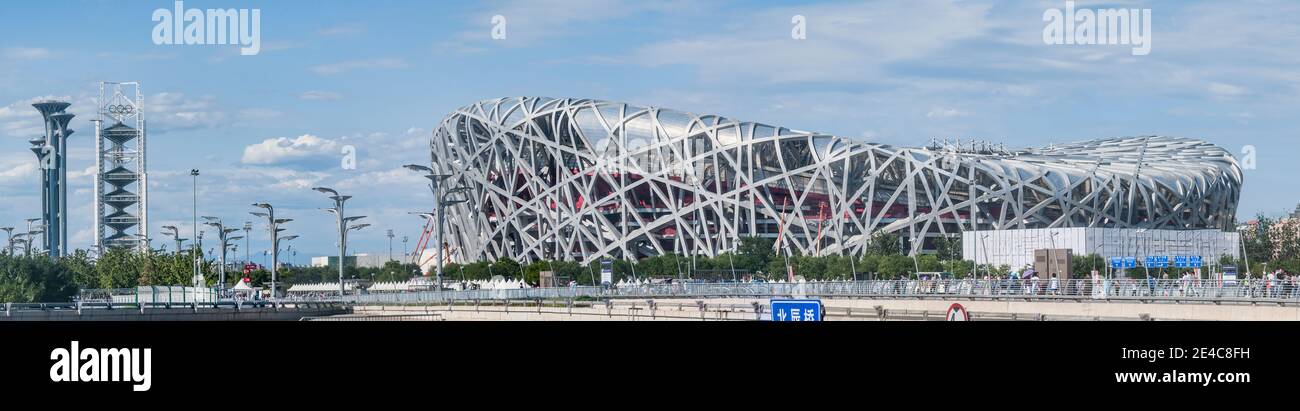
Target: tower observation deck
[{"x": 121, "y": 179}]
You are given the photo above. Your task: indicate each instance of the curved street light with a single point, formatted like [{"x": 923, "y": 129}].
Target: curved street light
[
  {"x": 442, "y": 200},
  {"x": 342, "y": 225},
  {"x": 9, "y": 249},
  {"x": 273, "y": 224},
  {"x": 223, "y": 237}
]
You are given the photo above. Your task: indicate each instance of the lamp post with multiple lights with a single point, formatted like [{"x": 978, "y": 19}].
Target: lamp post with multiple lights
[
  {"x": 286, "y": 238},
  {"x": 342, "y": 222},
  {"x": 8, "y": 247},
  {"x": 223, "y": 236},
  {"x": 442, "y": 200},
  {"x": 32, "y": 230},
  {"x": 274, "y": 226},
  {"x": 21, "y": 238},
  {"x": 176, "y": 236}
]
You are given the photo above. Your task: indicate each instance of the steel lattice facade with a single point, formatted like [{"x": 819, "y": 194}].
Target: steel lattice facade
[{"x": 579, "y": 179}]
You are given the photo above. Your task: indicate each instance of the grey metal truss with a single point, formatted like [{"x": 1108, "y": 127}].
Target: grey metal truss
[
  {"x": 578, "y": 179},
  {"x": 121, "y": 176}
]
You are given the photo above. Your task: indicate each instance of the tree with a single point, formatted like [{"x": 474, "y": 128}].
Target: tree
[
  {"x": 882, "y": 243},
  {"x": 929, "y": 263},
  {"x": 896, "y": 266},
  {"x": 1084, "y": 264}
]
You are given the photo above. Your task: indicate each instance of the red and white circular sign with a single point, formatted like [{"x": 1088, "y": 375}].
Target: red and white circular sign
[{"x": 958, "y": 313}]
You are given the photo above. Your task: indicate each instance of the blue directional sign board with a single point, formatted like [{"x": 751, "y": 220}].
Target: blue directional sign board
[
  {"x": 1194, "y": 261},
  {"x": 796, "y": 310},
  {"x": 1180, "y": 261},
  {"x": 1156, "y": 261},
  {"x": 1130, "y": 262},
  {"x": 1116, "y": 262}
]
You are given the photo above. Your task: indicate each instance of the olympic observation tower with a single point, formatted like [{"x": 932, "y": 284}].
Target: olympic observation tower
[
  {"x": 121, "y": 180},
  {"x": 51, "y": 153}
]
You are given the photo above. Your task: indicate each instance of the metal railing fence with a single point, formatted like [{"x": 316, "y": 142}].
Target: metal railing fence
[{"x": 1257, "y": 290}]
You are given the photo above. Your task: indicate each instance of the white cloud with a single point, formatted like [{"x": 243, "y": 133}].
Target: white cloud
[
  {"x": 18, "y": 170},
  {"x": 394, "y": 176},
  {"x": 319, "y": 95},
  {"x": 342, "y": 30},
  {"x": 371, "y": 64},
  {"x": 845, "y": 42},
  {"x": 27, "y": 53},
  {"x": 283, "y": 149},
  {"x": 259, "y": 113},
  {"x": 944, "y": 112},
  {"x": 529, "y": 22},
  {"x": 174, "y": 111},
  {"x": 1227, "y": 90},
  {"x": 20, "y": 120}
]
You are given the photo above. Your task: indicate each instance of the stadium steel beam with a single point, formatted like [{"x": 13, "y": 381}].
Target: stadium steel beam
[{"x": 579, "y": 179}]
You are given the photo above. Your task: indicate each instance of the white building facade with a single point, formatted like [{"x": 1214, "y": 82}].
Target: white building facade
[{"x": 1015, "y": 248}]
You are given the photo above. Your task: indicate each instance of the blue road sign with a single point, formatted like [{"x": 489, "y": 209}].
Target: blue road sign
[
  {"x": 1156, "y": 261},
  {"x": 1194, "y": 261},
  {"x": 1116, "y": 262},
  {"x": 1180, "y": 261},
  {"x": 796, "y": 310},
  {"x": 1130, "y": 262}
]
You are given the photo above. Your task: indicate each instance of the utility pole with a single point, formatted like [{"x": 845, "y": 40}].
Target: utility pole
[{"x": 194, "y": 178}]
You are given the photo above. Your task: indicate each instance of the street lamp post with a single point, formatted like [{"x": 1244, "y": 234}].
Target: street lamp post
[
  {"x": 176, "y": 236},
  {"x": 199, "y": 256},
  {"x": 342, "y": 222},
  {"x": 9, "y": 245},
  {"x": 39, "y": 229},
  {"x": 286, "y": 238},
  {"x": 27, "y": 250},
  {"x": 275, "y": 233},
  {"x": 1145, "y": 269},
  {"x": 442, "y": 200},
  {"x": 986, "y": 255},
  {"x": 390, "y": 245},
  {"x": 194, "y": 178},
  {"x": 223, "y": 236},
  {"x": 20, "y": 238},
  {"x": 248, "y": 236},
  {"x": 1051, "y": 255}
]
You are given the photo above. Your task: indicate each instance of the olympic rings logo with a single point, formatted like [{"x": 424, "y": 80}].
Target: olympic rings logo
[{"x": 120, "y": 109}]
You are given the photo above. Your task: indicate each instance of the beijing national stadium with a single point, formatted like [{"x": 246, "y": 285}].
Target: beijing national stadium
[{"x": 581, "y": 179}]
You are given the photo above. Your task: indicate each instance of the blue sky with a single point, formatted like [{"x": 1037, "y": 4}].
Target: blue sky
[{"x": 379, "y": 75}]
